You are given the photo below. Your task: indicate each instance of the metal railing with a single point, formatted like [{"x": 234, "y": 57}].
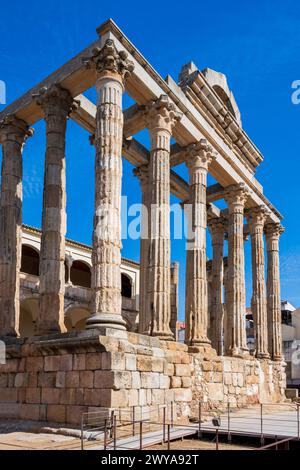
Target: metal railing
[{"x": 115, "y": 427}]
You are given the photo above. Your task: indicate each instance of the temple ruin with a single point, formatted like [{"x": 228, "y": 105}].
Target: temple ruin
[{"x": 55, "y": 372}]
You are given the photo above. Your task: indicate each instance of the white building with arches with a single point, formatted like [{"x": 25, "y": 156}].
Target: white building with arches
[{"x": 78, "y": 284}]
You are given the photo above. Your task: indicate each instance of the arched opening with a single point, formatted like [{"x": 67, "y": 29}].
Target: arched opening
[
  {"x": 80, "y": 274},
  {"x": 126, "y": 286},
  {"x": 75, "y": 318},
  {"x": 30, "y": 263},
  {"x": 29, "y": 309}
]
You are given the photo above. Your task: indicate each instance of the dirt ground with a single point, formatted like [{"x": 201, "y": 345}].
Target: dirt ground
[{"x": 193, "y": 444}]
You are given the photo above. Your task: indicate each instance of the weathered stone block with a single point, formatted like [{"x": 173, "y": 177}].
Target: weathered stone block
[
  {"x": 72, "y": 379},
  {"x": 56, "y": 413},
  {"x": 215, "y": 392},
  {"x": 33, "y": 395},
  {"x": 158, "y": 365},
  {"x": 79, "y": 363},
  {"x": 21, "y": 380},
  {"x": 86, "y": 379},
  {"x": 136, "y": 380},
  {"x": 176, "y": 382},
  {"x": 35, "y": 364},
  {"x": 47, "y": 379},
  {"x": 133, "y": 397},
  {"x": 96, "y": 397},
  {"x": 150, "y": 380},
  {"x": 94, "y": 361},
  {"x": 130, "y": 362},
  {"x": 169, "y": 369},
  {"x": 8, "y": 395},
  {"x": 74, "y": 414},
  {"x": 66, "y": 362},
  {"x": 50, "y": 395},
  {"x": 32, "y": 379},
  {"x": 119, "y": 398},
  {"x": 144, "y": 363},
  {"x": 182, "y": 370},
  {"x": 104, "y": 379},
  {"x": 182, "y": 395},
  {"x": 186, "y": 382},
  {"x": 164, "y": 381},
  {"x": 3, "y": 380},
  {"x": 158, "y": 397},
  {"x": 60, "y": 381}
]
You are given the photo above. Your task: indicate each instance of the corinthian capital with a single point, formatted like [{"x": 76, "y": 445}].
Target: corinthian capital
[
  {"x": 236, "y": 195},
  {"x": 55, "y": 100},
  {"x": 162, "y": 114},
  {"x": 200, "y": 155},
  {"x": 274, "y": 230},
  {"x": 257, "y": 217},
  {"x": 12, "y": 128},
  {"x": 217, "y": 226},
  {"x": 108, "y": 59}
]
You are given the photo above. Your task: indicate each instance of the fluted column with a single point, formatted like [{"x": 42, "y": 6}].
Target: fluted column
[
  {"x": 217, "y": 230},
  {"x": 144, "y": 309},
  {"x": 273, "y": 232},
  {"x": 235, "y": 325},
  {"x": 256, "y": 220},
  {"x": 161, "y": 117},
  {"x": 174, "y": 297},
  {"x": 56, "y": 103},
  {"x": 112, "y": 68},
  {"x": 13, "y": 133},
  {"x": 199, "y": 158}
]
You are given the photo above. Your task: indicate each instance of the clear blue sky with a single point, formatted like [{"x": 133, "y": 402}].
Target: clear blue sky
[{"x": 256, "y": 44}]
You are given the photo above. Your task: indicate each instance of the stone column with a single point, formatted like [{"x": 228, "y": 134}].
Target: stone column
[
  {"x": 199, "y": 157},
  {"x": 112, "y": 68},
  {"x": 256, "y": 220},
  {"x": 144, "y": 307},
  {"x": 161, "y": 118},
  {"x": 235, "y": 325},
  {"x": 13, "y": 133},
  {"x": 56, "y": 103},
  {"x": 217, "y": 230},
  {"x": 273, "y": 232}
]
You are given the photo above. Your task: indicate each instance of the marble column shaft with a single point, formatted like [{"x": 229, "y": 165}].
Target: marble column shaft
[
  {"x": 161, "y": 118},
  {"x": 144, "y": 306},
  {"x": 235, "y": 325},
  {"x": 112, "y": 68},
  {"x": 13, "y": 133},
  {"x": 56, "y": 103},
  {"x": 199, "y": 157},
  {"x": 273, "y": 232},
  {"x": 217, "y": 230},
  {"x": 256, "y": 220}
]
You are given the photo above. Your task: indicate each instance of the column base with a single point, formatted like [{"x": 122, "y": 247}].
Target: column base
[
  {"x": 238, "y": 352},
  {"x": 277, "y": 359},
  {"x": 105, "y": 320},
  {"x": 163, "y": 336},
  {"x": 263, "y": 356}
]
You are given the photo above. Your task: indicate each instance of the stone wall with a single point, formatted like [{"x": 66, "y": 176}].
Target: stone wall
[
  {"x": 218, "y": 381},
  {"x": 57, "y": 378}
]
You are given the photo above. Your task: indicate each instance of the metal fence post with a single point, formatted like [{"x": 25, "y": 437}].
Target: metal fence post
[
  {"x": 169, "y": 437},
  {"x": 141, "y": 435},
  {"x": 105, "y": 434},
  {"x": 228, "y": 423},
  {"x": 298, "y": 422},
  {"x": 164, "y": 424},
  {"x": 115, "y": 433},
  {"x": 133, "y": 420},
  {"x": 217, "y": 438},
  {"x": 199, "y": 419},
  {"x": 172, "y": 414},
  {"x": 81, "y": 436},
  {"x": 262, "y": 439}
]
